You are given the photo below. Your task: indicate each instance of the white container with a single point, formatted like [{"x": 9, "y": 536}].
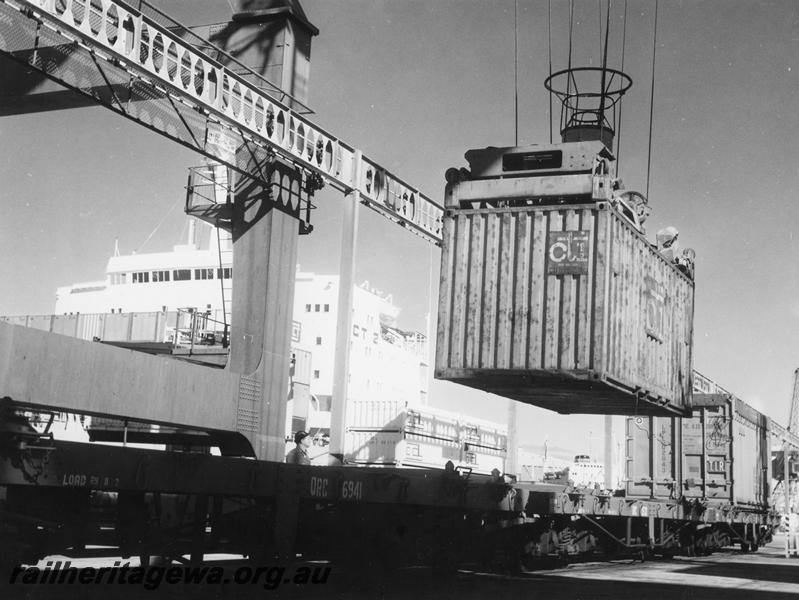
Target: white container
[{"x": 377, "y": 448}]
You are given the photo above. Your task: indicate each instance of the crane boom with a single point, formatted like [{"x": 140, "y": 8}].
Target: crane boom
[
  {"x": 793, "y": 419},
  {"x": 207, "y": 106}
]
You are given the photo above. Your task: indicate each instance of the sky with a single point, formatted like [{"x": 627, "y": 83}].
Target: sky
[{"x": 414, "y": 84}]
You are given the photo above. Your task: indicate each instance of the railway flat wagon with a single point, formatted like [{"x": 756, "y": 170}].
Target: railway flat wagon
[{"x": 562, "y": 305}]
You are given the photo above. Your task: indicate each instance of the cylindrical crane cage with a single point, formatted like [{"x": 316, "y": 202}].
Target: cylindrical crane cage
[{"x": 589, "y": 97}]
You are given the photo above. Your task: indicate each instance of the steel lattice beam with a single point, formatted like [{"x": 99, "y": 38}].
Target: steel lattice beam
[{"x": 131, "y": 64}]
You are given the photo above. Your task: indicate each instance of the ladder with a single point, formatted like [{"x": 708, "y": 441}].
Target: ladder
[
  {"x": 225, "y": 274},
  {"x": 222, "y": 194}
]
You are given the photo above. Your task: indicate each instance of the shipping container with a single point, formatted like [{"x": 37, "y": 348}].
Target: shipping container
[
  {"x": 718, "y": 454},
  {"x": 423, "y": 451},
  {"x": 376, "y": 412},
  {"x": 376, "y": 448},
  {"x": 379, "y": 412},
  {"x": 482, "y": 460},
  {"x": 430, "y": 423},
  {"x": 21, "y": 320},
  {"x": 146, "y": 327},
  {"x": 483, "y": 434},
  {"x": 380, "y": 448},
  {"x": 90, "y": 326},
  {"x": 566, "y": 307},
  {"x": 65, "y": 325},
  {"x": 43, "y": 322},
  {"x": 301, "y": 361},
  {"x": 386, "y": 448},
  {"x": 304, "y": 411},
  {"x": 115, "y": 327},
  {"x": 653, "y": 457}
]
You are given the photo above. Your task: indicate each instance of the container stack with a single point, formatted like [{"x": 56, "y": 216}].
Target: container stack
[{"x": 157, "y": 327}]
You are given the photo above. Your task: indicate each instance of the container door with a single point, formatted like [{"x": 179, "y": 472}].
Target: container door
[
  {"x": 667, "y": 451},
  {"x": 718, "y": 425},
  {"x": 652, "y": 469},
  {"x": 750, "y": 462},
  {"x": 693, "y": 456},
  {"x": 638, "y": 453}
]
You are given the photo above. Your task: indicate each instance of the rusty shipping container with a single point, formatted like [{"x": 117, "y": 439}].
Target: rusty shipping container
[{"x": 567, "y": 307}]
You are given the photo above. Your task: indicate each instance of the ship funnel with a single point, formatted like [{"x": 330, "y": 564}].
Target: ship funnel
[{"x": 589, "y": 97}]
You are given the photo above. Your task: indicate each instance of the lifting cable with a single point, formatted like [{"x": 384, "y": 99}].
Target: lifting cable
[
  {"x": 161, "y": 222},
  {"x": 516, "y": 70},
  {"x": 549, "y": 38},
  {"x": 652, "y": 97},
  {"x": 570, "y": 75},
  {"x": 599, "y": 18},
  {"x": 604, "y": 55},
  {"x": 618, "y": 125}
]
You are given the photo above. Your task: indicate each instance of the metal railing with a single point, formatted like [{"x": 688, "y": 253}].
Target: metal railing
[
  {"x": 203, "y": 330},
  {"x": 127, "y": 39}
]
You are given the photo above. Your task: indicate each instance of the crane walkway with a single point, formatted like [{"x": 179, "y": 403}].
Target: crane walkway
[{"x": 137, "y": 67}]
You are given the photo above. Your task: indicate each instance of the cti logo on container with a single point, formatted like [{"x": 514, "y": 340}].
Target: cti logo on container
[{"x": 567, "y": 252}]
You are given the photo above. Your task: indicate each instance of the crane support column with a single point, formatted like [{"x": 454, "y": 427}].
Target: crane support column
[
  {"x": 512, "y": 461},
  {"x": 264, "y": 269},
  {"x": 341, "y": 365}
]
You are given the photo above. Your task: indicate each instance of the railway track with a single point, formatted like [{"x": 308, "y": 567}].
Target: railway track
[{"x": 728, "y": 574}]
